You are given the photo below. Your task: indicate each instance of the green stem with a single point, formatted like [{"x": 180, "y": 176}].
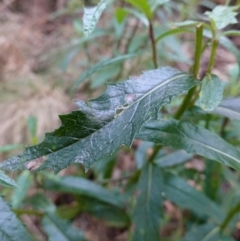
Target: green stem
[
  {"x": 215, "y": 43},
  {"x": 198, "y": 51},
  {"x": 156, "y": 149},
  {"x": 229, "y": 217},
  {"x": 185, "y": 104},
  {"x": 27, "y": 211},
  {"x": 153, "y": 43},
  {"x": 223, "y": 126}
]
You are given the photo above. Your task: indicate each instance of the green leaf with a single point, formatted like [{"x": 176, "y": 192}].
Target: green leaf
[
  {"x": 147, "y": 211},
  {"x": 223, "y": 16},
  {"x": 173, "y": 159},
  {"x": 187, "y": 23},
  {"x": 192, "y": 138},
  {"x": 205, "y": 232},
  {"x": 212, "y": 180},
  {"x": 92, "y": 15},
  {"x": 155, "y": 3},
  {"x": 11, "y": 229},
  {"x": 172, "y": 32},
  {"x": 141, "y": 154},
  {"x": 185, "y": 196},
  {"x": 24, "y": 182},
  {"x": 99, "y": 66},
  {"x": 112, "y": 215},
  {"x": 229, "y": 108},
  {"x": 6, "y": 181},
  {"x": 104, "y": 167},
  {"x": 100, "y": 126},
  {"x": 40, "y": 202},
  {"x": 211, "y": 93},
  {"x": 9, "y": 148},
  {"x": 82, "y": 187},
  {"x": 120, "y": 15},
  {"x": 143, "y": 6},
  {"x": 231, "y": 33},
  {"x": 137, "y": 14},
  {"x": 60, "y": 229}
]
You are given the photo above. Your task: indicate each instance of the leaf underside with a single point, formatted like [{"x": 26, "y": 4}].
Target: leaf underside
[{"x": 100, "y": 126}]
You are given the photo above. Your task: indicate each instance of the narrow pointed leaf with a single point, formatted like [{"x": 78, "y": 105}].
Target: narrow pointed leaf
[
  {"x": 205, "y": 232},
  {"x": 60, "y": 229},
  {"x": 105, "y": 123},
  {"x": 155, "y": 3},
  {"x": 173, "y": 159},
  {"x": 211, "y": 93},
  {"x": 24, "y": 182},
  {"x": 6, "y": 181},
  {"x": 142, "y": 5},
  {"x": 11, "y": 229},
  {"x": 92, "y": 15},
  {"x": 229, "y": 108},
  {"x": 147, "y": 212},
  {"x": 182, "y": 194},
  {"x": 112, "y": 215},
  {"x": 99, "y": 66},
  {"x": 193, "y": 139},
  {"x": 83, "y": 187}
]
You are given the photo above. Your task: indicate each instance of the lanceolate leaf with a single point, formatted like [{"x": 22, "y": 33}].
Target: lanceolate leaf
[
  {"x": 211, "y": 93},
  {"x": 205, "y": 232},
  {"x": 92, "y": 15},
  {"x": 182, "y": 194},
  {"x": 105, "y": 123},
  {"x": 147, "y": 212},
  {"x": 59, "y": 229},
  {"x": 142, "y": 5},
  {"x": 11, "y": 228},
  {"x": 173, "y": 159},
  {"x": 82, "y": 187},
  {"x": 229, "y": 108},
  {"x": 6, "y": 180},
  {"x": 193, "y": 139},
  {"x": 155, "y": 3},
  {"x": 100, "y": 66}
]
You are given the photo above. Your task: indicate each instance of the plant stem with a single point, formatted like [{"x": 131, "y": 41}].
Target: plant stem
[
  {"x": 153, "y": 43},
  {"x": 195, "y": 70},
  {"x": 198, "y": 51},
  {"x": 212, "y": 56},
  {"x": 229, "y": 217},
  {"x": 156, "y": 149},
  {"x": 28, "y": 211},
  {"x": 185, "y": 104}
]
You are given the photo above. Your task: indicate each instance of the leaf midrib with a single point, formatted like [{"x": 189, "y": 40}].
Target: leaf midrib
[{"x": 209, "y": 147}]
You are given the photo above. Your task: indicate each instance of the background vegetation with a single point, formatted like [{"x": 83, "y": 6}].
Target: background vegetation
[{"x": 49, "y": 57}]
